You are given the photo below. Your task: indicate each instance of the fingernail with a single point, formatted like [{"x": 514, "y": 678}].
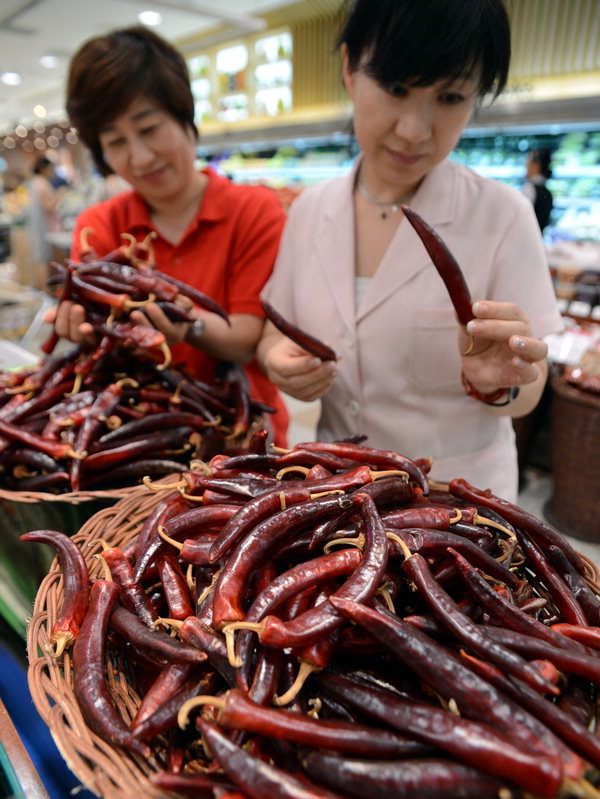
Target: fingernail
[
  {"x": 314, "y": 362},
  {"x": 480, "y": 307},
  {"x": 518, "y": 341},
  {"x": 474, "y": 326},
  {"x": 519, "y": 362}
]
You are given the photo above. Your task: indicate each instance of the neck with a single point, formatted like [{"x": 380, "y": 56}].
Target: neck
[{"x": 383, "y": 192}]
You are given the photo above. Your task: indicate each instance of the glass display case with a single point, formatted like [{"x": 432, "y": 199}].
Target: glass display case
[{"x": 250, "y": 78}]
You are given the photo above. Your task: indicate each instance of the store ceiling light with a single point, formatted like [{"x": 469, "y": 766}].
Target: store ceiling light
[
  {"x": 11, "y": 78},
  {"x": 49, "y": 61},
  {"x": 151, "y": 18},
  {"x": 39, "y": 110}
]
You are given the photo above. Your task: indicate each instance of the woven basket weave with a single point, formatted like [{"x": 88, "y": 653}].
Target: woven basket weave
[
  {"x": 574, "y": 507},
  {"x": 107, "y": 771}
]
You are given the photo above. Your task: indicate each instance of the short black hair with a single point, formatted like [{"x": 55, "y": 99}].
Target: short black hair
[
  {"x": 543, "y": 156},
  {"x": 109, "y": 71},
  {"x": 420, "y": 42}
]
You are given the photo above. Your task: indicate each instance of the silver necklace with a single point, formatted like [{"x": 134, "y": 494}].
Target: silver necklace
[{"x": 394, "y": 205}]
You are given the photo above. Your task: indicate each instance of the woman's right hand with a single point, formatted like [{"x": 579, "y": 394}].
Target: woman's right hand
[
  {"x": 68, "y": 319},
  {"x": 296, "y": 372}
]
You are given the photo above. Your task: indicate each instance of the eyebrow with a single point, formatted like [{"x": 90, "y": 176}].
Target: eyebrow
[{"x": 139, "y": 115}]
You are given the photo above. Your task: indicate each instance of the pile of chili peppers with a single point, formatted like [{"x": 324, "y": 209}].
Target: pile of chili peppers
[
  {"x": 105, "y": 417},
  {"x": 325, "y": 622}
]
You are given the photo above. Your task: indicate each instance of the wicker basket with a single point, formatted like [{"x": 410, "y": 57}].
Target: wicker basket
[
  {"x": 574, "y": 507},
  {"x": 103, "y": 769},
  {"x": 24, "y": 566},
  {"x": 107, "y": 771}
]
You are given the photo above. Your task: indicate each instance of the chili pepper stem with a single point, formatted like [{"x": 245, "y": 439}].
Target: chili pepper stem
[
  {"x": 105, "y": 567},
  {"x": 582, "y": 789},
  {"x": 435, "y": 486},
  {"x": 358, "y": 542},
  {"x": 287, "y": 469},
  {"x": 190, "y": 497},
  {"x": 167, "y": 623},
  {"x": 208, "y": 588},
  {"x": 163, "y": 486},
  {"x": 405, "y": 550},
  {"x": 197, "y": 701},
  {"x": 304, "y": 672},
  {"x": 229, "y": 633},
  {"x": 60, "y": 641},
  {"x": 166, "y": 351},
  {"x": 77, "y": 383},
  {"x": 384, "y": 592},
  {"x": 477, "y": 519},
  {"x": 161, "y": 532}
]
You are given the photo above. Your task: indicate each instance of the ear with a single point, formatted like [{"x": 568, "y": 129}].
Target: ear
[{"x": 347, "y": 73}]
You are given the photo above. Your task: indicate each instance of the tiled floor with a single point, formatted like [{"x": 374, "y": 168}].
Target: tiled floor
[{"x": 536, "y": 492}]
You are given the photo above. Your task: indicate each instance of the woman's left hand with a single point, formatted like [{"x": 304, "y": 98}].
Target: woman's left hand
[
  {"x": 498, "y": 347},
  {"x": 153, "y": 315}
]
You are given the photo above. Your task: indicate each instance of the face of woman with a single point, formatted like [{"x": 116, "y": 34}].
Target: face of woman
[
  {"x": 403, "y": 130},
  {"x": 150, "y": 150}
]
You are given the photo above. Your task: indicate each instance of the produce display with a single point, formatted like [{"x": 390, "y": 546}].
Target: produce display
[
  {"x": 106, "y": 416},
  {"x": 319, "y": 622}
]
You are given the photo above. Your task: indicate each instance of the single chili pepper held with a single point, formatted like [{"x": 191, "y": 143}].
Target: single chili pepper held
[
  {"x": 75, "y": 580},
  {"x": 446, "y": 265},
  {"x": 303, "y": 339},
  {"x": 89, "y": 683}
]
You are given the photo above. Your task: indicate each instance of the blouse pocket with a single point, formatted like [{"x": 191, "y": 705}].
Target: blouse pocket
[{"x": 434, "y": 360}]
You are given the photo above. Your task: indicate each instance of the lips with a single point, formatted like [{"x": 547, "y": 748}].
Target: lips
[{"x": 405, "y": 159}]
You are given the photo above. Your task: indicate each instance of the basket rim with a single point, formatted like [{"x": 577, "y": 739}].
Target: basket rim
[
  {"x": 569, "y": 391},
  {"x": 72, "y": 497}
]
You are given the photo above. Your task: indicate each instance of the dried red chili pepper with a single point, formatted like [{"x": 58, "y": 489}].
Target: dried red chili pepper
[
  {"x": 362, "y": 583},
  {"x": 587, "y": 599},
  {"x": 89, "y": 683},
  {"x": 427, "y": 778},
  {"x": 291, "y": 583},
  {"x": 152, "y": 640},
  {"x": 469, "y": 634},
  {"x": 237, "y": 712},
  {"x": 309, "y": 343},
  {"x": 253, "y": 775},
  {"x": 559, "y": 591},
  {"x": 67, "y": 626},
  {"x": 175, "y": 587},
  {"x": 574, "y": 735},
  {"x": 446, "y": 265},
  {"x": 542, "y": 534},
  {"x": 378, "y": 458},
  {"x": 56, "y": 449},
  {"x": 133, "y": 596},
  {"x": 471, "y": 742},
  {"x": 262, "y": 539},
  {"x": 475, "y": 698}
]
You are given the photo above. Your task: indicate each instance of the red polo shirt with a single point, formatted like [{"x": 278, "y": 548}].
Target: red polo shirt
[{"x": 228, "y": 253}]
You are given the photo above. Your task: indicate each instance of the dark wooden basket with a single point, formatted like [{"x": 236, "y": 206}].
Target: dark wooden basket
[{"x": 574, "y": 507}]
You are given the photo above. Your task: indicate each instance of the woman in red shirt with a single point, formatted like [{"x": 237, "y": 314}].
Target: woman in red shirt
[{"x": 129, "y": 96}]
